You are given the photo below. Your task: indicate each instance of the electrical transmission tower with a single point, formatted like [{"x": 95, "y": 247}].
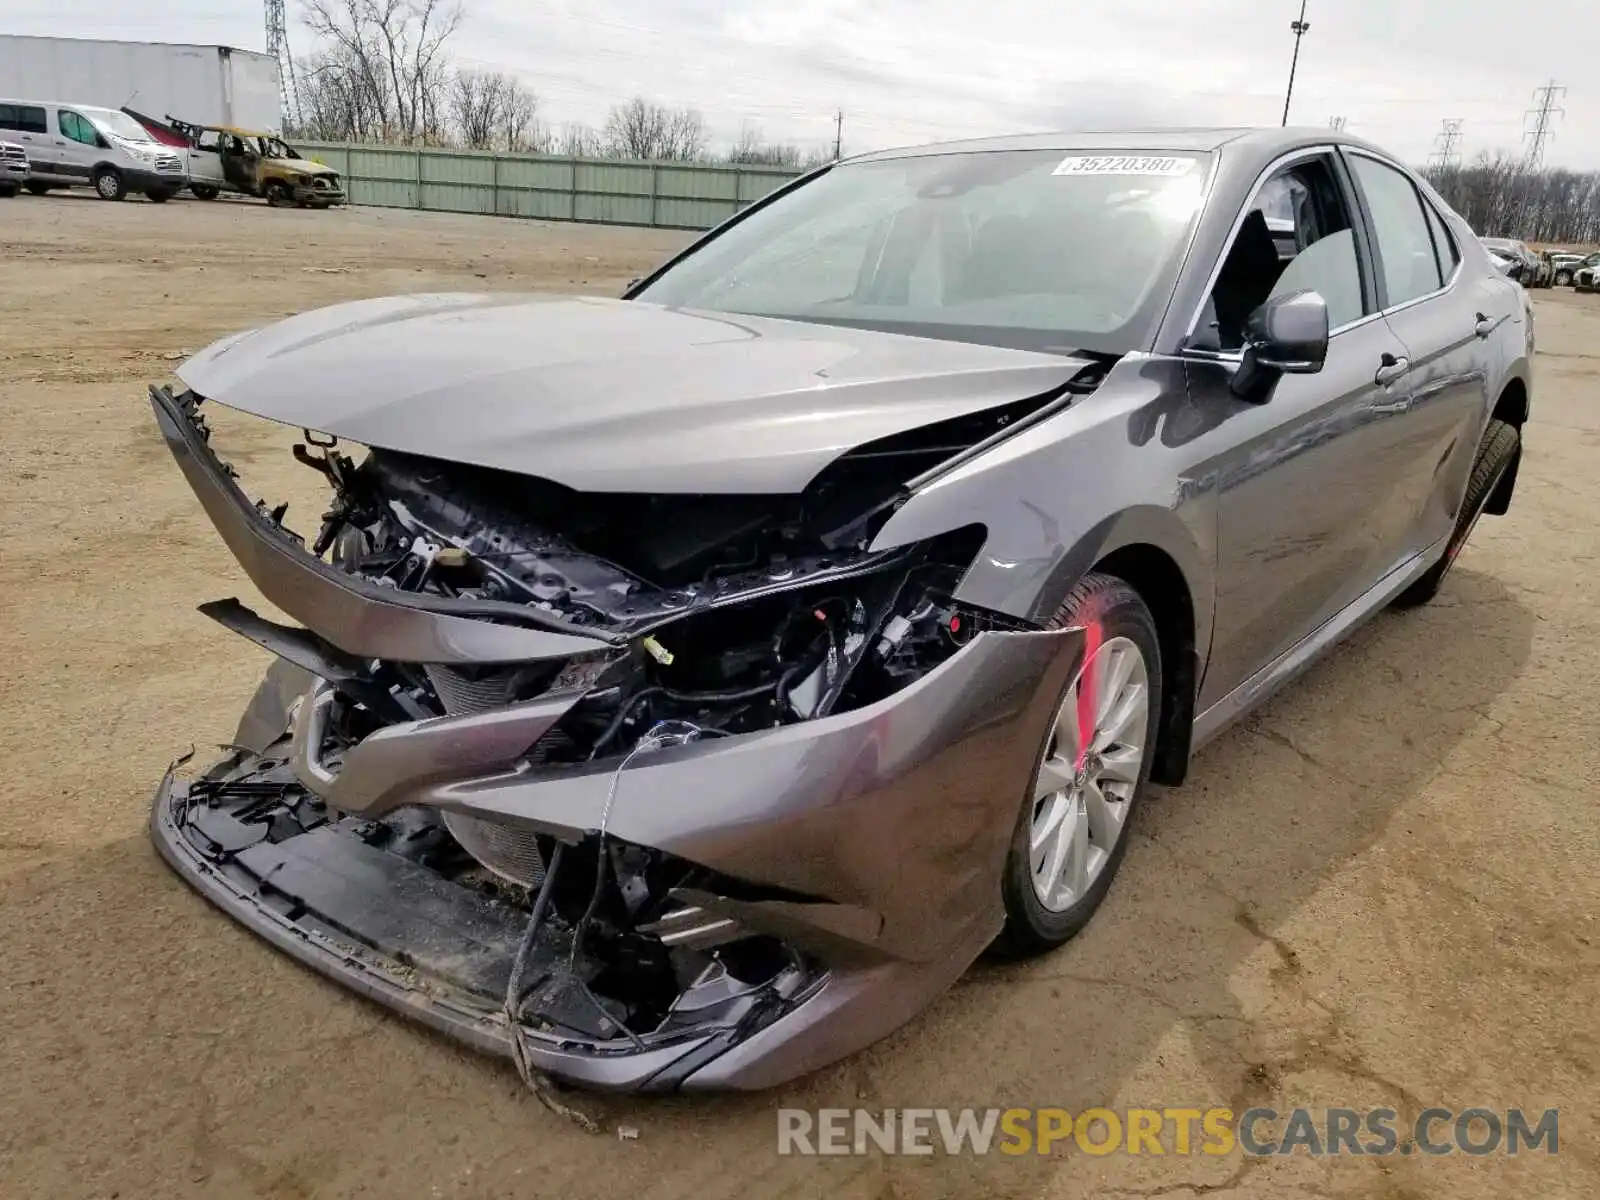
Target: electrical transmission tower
[
  {"x": 1543, "y": 116},
  {"x": 278, "y": 47},
  {"x": 1445, "y": 142}
]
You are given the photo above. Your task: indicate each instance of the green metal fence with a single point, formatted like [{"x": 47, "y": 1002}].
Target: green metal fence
[{"x": 608, "y": 192}]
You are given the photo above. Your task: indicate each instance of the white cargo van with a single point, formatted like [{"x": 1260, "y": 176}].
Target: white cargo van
[{"x": 80, "y": 145}]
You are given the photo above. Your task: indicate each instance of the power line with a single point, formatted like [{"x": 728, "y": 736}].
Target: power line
[
  {"x": 1299, "y": 29},
  {"x": 1445, "y": 143}
]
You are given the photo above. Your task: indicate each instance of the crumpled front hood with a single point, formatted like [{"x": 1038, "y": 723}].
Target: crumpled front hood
[
  {"x": 607, "y": 395},
  {"x": 299, "y": 166}
]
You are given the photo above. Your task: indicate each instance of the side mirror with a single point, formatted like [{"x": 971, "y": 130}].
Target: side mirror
[{"x": 1288, "y": 335}]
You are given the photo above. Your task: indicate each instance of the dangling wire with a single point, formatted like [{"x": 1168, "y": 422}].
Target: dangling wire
[{"x": 663, "y": 733}]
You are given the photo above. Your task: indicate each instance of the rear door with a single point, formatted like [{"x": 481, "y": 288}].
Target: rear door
[
  {"x": 1443, "y": 318},
  {"x": 27, "y": 125}
]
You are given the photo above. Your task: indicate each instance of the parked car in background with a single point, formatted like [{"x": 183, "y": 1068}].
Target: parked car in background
[
  {"x": 1586, "y": 276},
  {"x": 255, "y": 164},
  {"x": 80, "y": 145},
  {"x": 1524, "y": 267},
  {"x": 1544, "y": 269},
  {"x": 683, "y": 689},
  {"x": 1566, "y": 266},
  {"x": 13, "y": 168}
]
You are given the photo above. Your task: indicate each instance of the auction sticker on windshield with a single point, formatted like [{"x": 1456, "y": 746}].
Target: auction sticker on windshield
[{"x": 1123, "y": 164}]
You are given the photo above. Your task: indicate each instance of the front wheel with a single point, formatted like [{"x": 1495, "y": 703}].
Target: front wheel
[
  {"x": 1563, "y": 278},
  {"x": 1499, "y": 449},
  {"x": 280, "y": 195},
  {"x": 1092, "y": 769},
  {"x": 109, "y": 184}
]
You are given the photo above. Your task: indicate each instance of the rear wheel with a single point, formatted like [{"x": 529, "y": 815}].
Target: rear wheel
[
  {"x": 1563, "y": 278},
  {"x": 203, "y": 191},
  {"x": 1092, "y": 770},
  {"x": 1499, "y": 449},
  {"x": 109, "y": 184}
]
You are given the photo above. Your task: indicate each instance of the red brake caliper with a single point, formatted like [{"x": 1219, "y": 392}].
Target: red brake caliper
[{"x": 1092, "y": 638}]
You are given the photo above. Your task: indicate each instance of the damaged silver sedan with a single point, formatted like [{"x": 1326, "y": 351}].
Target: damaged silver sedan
[{"x": 683, "y": 690}]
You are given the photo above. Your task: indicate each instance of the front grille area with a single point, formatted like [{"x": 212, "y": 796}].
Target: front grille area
[
  {"x": 509, "y": 852},
  {"x": 169, "y": 164}
]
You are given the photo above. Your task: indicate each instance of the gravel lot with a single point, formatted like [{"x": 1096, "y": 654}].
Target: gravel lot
[{"x": 1381, "y": 891}]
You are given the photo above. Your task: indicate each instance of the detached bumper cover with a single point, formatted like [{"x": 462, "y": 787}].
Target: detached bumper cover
[{"x": 885, "y": 829}]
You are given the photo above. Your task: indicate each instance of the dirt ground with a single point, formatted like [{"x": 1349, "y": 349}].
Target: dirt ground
[{"x": 1382, "y": 890}]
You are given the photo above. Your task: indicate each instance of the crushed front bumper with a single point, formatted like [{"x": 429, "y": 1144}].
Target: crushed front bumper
[{"x": 870, "y": 842}]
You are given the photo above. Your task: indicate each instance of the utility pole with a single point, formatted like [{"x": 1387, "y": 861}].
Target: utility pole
[
  {"x": 838, "y": 135},
  {"x": 278, "y": 47},
  {"x": 1299, "y": 29},
  {"x": 1445, "y": 154},
  {"x": 1335, "y": 123}
]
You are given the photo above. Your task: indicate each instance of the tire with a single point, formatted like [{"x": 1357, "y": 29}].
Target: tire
[
  {"x": 1119, "y": 624},
  {"x": 1563, "y": 278},
  {"x": 7, "y": 190},
  {"x": 203, "y": 191},
  {"x": 109, "y": 184},
  {"x": 158, "y": 195},
  {"x": 279, "y": 195},
  {"x": 1499, "y": 450},
  {"x": 37, "y": 188}
]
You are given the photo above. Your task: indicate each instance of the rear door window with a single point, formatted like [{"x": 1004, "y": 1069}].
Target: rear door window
[
  {"x": 25, "y": 118},
  {"x": 1443, "y": 244},
  {"x": 1406, "y": 256}
]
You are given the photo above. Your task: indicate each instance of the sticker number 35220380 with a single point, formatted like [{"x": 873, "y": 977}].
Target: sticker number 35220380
[{"x": 1123, "y": 164}]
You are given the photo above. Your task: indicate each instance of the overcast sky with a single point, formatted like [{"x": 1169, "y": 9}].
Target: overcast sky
[{"x": 917, "y": 70}]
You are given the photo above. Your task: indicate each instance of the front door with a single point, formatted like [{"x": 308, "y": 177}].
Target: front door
[
  {"x": 77, "y": 145},
  {"x": 205, "y": 160},
  {"x": 1309, "y": 473}
]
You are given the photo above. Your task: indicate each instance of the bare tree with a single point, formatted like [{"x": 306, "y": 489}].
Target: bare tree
[
  {"x": 643, "y": 129},
  {"x": 1500, "y": 197},
  {"x": 474, "y": 108},
  {"x": 578, "y": 141},
  {"x": 392, "y": 54},
  {"x": 750, "y": 149}
]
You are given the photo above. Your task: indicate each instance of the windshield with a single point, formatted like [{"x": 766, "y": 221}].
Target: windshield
[
  {"x": 119, "y": 124},
  {"x": 271, "y": 147},
  {"x": 1040, "y": 249}
]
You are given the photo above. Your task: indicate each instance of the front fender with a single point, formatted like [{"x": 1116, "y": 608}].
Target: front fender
[{"x": 1123, "y": 467}]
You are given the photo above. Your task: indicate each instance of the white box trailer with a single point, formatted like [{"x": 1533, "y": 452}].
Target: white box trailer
[{"x": 206, "y": 85}]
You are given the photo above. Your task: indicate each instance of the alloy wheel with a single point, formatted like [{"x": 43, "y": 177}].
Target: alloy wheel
[{"x": 1086, "y": 783}]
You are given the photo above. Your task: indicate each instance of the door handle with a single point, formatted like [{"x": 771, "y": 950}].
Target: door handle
[
  {"x": 1485, "y": 326},
  {"x": 1391, "y": 368}
]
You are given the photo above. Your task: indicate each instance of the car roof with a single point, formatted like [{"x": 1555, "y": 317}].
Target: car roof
[{"x": 1263, "y": 142}]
